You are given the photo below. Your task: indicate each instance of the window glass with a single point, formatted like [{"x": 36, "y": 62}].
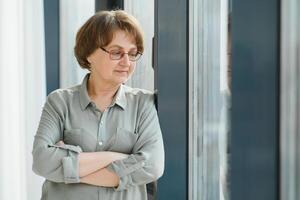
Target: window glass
[
  {"x": 209, "y": 100},
  {"x": 290, "y": 101}
]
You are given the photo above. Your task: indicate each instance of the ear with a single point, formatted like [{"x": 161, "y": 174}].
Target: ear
[{"x": 89, "y": 59}]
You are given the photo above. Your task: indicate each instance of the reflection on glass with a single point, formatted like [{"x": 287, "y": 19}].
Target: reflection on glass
[
  {"x": 209, "y": 100},
  {"x": 290, "y": 101}
]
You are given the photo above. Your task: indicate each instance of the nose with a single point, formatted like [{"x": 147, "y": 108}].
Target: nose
[{"x": 125, "y": 60}]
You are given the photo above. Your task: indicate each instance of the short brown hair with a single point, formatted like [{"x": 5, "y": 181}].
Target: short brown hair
[{"x": 99, "y": 30}]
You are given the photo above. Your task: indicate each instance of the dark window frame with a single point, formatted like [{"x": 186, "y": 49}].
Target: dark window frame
[
  {"x": 255, "y": 100},
  {"x": 171, "y": 82},
  {"x": 51, "y": 21}
]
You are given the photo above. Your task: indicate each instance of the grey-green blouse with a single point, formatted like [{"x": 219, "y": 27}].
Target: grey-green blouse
[{"x": 129, "y": 125}]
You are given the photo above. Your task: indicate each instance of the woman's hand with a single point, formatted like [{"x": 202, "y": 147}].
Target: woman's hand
[{"x": 60, "y": 143}]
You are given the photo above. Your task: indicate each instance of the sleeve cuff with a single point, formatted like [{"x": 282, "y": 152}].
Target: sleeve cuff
[
  {"x": 123, "y": 169},
  {"x": 70, "y": 163},
  {"x": 76, "y": 149},
  {"x": 71, "y": 168}
]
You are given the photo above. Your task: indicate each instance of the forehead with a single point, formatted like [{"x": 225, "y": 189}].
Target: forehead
[{"x": 123, "y": 40}]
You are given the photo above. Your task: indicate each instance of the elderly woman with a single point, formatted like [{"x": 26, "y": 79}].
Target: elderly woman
[{"x": 101, "y": 139}]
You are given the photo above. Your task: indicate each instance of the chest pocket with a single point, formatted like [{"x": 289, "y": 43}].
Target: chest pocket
[
  {"x": 124, "y": 141},
  {"x": 81, "y": 138}
]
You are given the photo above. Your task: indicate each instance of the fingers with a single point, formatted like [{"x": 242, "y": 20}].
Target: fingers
[{"x": 60, "y": 143}]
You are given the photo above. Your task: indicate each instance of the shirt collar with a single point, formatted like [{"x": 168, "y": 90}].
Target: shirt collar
[
  {"x": 83, "y": 93},
  {"x": 119, "y": 98}
]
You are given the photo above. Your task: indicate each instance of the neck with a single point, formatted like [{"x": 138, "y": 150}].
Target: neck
[{"x": 97, "y": 88}]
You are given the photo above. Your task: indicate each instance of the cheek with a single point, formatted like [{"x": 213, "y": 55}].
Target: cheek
[
  {"x": 132, "y": 68},
  {"x": 107, "y": 67}
]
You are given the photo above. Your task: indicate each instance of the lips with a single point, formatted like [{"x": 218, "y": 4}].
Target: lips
[{"x": 120, "y": 71}]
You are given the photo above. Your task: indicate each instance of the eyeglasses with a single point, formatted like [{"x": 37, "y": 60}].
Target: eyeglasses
[{"x": 118, "y": 54}]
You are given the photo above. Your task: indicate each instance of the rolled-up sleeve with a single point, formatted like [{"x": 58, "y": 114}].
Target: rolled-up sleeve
[
  {"x": 146, "y": 163},
  {"x": 55, "y": 163}
]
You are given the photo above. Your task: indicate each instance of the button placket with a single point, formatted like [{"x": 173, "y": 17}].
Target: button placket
[
  {"x": 101, "y": 129},
  {"x": 100, "y": 132}
]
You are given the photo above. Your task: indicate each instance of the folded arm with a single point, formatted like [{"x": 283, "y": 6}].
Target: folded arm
[
  {"x": 55, "y": 163},
  {"x": 144, "y": 165},
  {"x": 92, "y": 167},
  {"x": 102, "y": 177},
  {"x": 90, "y": 162},
  {"x": 59, "y": 162}
]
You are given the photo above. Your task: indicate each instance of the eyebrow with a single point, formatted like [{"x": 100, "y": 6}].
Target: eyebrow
[{"x": 120, "y": 47}]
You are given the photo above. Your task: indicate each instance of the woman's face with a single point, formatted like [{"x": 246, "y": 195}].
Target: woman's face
[{"x": 113, "y": 72}]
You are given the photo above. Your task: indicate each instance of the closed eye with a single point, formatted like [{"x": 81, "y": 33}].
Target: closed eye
[
  {"x": 116, "y": 52},
  {"x": 133, "y": 53}
]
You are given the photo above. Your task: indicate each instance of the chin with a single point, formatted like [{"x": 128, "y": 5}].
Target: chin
[{"x": 121, "y": 80}]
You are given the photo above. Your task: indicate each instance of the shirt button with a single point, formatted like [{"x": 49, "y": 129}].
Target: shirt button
[
  {"x": 101, "y": 123},
  {"x": 100, "y": 143},
  {"x": 143, "y": 163}
]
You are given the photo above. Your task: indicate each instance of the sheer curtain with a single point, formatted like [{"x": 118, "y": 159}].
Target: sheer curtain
[
  {"x": 22, "y": 90},
  {"x": 73, "y": 13}
]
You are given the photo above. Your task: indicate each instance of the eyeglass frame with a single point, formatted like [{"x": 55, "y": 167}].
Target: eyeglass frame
[{"x": 122, "y": 55}]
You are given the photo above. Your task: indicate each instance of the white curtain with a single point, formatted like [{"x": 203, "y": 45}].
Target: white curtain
[
  {"x": 73, "y": 13},
  {"x": 22, "y": 94}
]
